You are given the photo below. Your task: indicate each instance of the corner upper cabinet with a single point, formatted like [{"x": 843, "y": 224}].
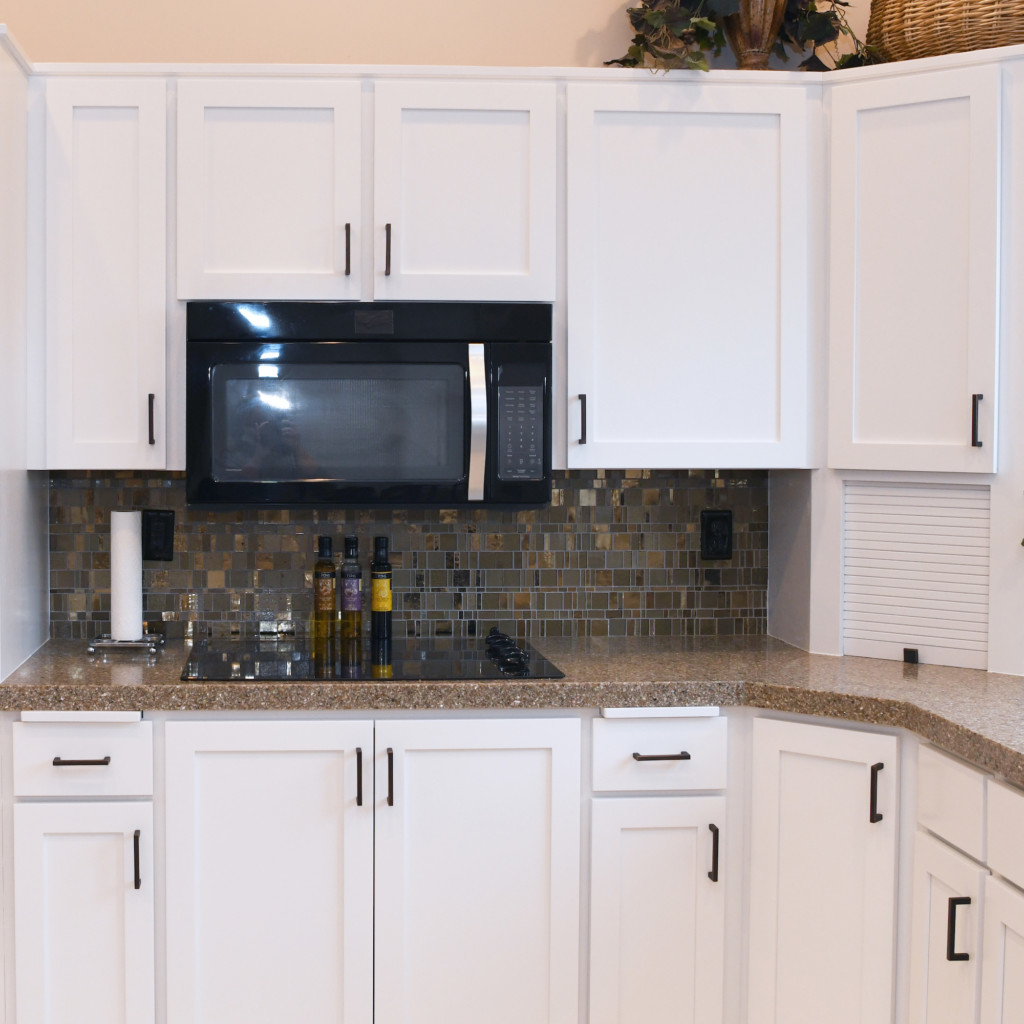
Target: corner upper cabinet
[
  {"x": 106, "y": 141},
  {"x": 914, "y": 272},
  {"x": 464, "y": 190},
  {"x": 688, "y": 246},
  {"x": 269, "y": 189}
]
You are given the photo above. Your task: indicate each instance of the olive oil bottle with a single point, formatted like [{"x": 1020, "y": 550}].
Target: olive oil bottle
[
  {"x": 351, "y": 585},
  {"x": 324, "y": 592},
  {"x": 380, "y": 591}
]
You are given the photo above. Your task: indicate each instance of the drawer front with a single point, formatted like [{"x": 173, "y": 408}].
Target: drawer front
[
  {"x": 951, "y": 801},
  {"x": 119, "y": 759},
  {"x": 644, "y": 755},
  {"x": 1006, "y": 831}
]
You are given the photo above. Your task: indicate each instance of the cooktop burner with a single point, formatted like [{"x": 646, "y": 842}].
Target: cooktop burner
[{"x": 405, "y": 659}]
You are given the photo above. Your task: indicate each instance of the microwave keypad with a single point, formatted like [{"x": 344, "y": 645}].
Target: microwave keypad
[{"x": 521, "y": 433}]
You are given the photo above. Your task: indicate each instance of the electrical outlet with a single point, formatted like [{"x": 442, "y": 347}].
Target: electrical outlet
[{"x": 716, "y": 533}]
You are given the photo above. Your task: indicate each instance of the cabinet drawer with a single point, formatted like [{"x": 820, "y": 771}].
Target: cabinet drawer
[
  {"x": 1006, "y": 831},
  {"x": 128, "y": 772},
  {"x": 951, "y": 801},
  {"x": 622, "y": 747}
]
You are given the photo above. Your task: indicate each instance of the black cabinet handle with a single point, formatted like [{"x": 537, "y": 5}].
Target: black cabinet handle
[
  {"x": 975, "y": 441},
  {"x": 713, "y": 873},
  {"x": 348, "y": 250},
  {"x": 138, "y": 876},
  {"x": 152, "y": 435},
  {"x": 954, "y": 902},
  {"x": 683, "y": 755},
  {"x": 359, "y": 776},
  {"x": 387, "y": 250},
  {"x": 60, "y": 762},
  {"x": 583, "y": 419},
  {"x": 873, "y": 815},
  {"x": 391, "y": 777}
]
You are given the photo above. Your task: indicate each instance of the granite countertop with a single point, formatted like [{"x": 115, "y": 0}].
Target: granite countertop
[{"x": 976, "y": 715}]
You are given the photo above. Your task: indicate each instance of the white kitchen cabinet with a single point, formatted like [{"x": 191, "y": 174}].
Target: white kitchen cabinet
[
  {"x": 269, "y": 871},
  {"x": 83, "y": 913},
  {"x": 822, "y": 874},
  {"x": 657, "y": 910},
  {"x": 269, "y": 189},
  {"x": 477, "y": 871},
  {"x": 464, "y": 190},
  {"x": 105, "y": 273},
  {"x": 688, "y": 248},
  {"x": 945, "y": 934},
  {"x": 1002, "y": 963},
  {"x": 913, "y": 272}
]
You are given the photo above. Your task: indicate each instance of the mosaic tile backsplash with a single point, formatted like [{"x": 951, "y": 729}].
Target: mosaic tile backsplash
[{"x": 615, "y": 554}]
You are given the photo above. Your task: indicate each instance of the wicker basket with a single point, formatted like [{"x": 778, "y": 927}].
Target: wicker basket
[{"x": 902, "y": 29}]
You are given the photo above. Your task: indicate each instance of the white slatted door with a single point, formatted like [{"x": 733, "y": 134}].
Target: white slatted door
[{"x": 915, "y": 572}]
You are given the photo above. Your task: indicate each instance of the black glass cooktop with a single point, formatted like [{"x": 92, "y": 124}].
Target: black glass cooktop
[{"x": 401, "y": 659}]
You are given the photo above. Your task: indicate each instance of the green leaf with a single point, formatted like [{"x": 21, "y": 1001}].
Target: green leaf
[{"x": 705, "y": 23}]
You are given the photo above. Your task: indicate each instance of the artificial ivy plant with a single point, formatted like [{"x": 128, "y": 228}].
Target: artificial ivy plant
[{"x": 682, "y": 33}]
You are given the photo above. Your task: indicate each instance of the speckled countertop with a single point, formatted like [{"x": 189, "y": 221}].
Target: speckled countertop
[{"x": 976, "y": 715}]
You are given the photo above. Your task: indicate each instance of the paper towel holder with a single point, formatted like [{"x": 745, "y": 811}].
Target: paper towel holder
[{"x": 151, "y": 642}]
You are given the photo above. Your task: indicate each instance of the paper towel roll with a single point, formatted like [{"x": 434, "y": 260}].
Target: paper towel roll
[{"x": 126, "y": 575}]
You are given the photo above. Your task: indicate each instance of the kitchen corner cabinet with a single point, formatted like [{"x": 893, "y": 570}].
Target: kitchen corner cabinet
[
  {"x": 477, "y": 871},
  {"x": 84, "y": 912},
  {"x": 688, "y": 247},
  {"x": 105, "y": 273},
  {"x": 464, "y": 190},
  {"x": 1002, "y": 967},
  {"x": 913, "y": 324},
  {"x": 823, "y": 840}
]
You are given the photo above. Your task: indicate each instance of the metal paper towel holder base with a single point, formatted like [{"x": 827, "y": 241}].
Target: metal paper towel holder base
[{"x": 151, "y": 642}]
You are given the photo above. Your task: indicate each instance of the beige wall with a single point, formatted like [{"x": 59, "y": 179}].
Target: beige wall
[{"x": 485, "y": 32}]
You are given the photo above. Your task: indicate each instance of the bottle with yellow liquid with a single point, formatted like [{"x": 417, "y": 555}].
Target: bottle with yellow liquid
[
  {"x": 380, "y": 664},
  {"x": 351, "y": 585},
  {"x": 380, "y": 591},
  {"x": 324, "y": 598}
]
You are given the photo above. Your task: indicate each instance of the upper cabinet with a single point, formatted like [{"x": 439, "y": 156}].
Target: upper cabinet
[
  {"x": 464, "y": 190},
  {"x": 106, "y": 273},
  {"x": 913, "y": 272},
  {"x": 269, "y": 189},
  {"x": 274, "y": 190},
  {"x": 688, "y": 247}
]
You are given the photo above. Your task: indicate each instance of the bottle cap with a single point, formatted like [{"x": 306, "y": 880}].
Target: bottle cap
[
  {"x": 323, "y": 547},
  {"x": 380, "y": 549},
  {"x": 351, "y": 546}
]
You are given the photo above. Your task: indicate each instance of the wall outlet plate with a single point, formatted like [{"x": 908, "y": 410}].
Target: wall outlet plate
[
  {"x": 716, "y": 533},
  {"x": 157, "y": 535}
]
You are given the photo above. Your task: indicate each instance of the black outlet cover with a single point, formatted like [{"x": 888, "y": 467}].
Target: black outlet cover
[
  {"x": 716, "y": 533},
  {"x": 157, "y": 535}
]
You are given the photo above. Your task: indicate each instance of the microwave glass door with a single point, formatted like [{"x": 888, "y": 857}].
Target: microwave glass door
[{"x": 363, "y": 422}]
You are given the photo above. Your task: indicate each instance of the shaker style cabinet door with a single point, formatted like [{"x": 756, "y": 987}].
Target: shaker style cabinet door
[
  {"x": 477, "y": 872},
  {"x": 657, "y": 910},
  {"x": 269, "y": 872},
  {"x": 688, "y": 247},
  {"x": 83, "y": 913},
  {"x": 913, "y": 294},
  {"x": 464, "y": 190},
  {"x": 269, "y": 189},
  {"x": 945, "y": 937},
  {"x": 1002, "y": 965},
  {"x": 822, "y": 875},
  {"x": 106, "y": 141}
]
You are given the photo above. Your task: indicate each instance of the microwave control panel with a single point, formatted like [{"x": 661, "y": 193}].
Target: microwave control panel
[{"x": 521, "y": 433}]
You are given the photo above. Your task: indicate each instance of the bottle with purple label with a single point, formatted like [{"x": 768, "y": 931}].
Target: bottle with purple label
[{"x": 351, "y": 586}]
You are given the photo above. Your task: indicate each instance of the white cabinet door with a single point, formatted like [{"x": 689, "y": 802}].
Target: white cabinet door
[
  {"x": 913, "y": 272},
  {"x": 945, "y": 937},
  {"x": 477, "y": 872},
  {"x": 688, "y": 242},
  {"x": 269, "y": 872},
  {"x": 464, "y": 190},
  {"x": 106, "y": 246},
  {"x": 823, "y": 875},
  {"x": 1002, "y": 963},
  {"x": 657, "y": 940},
  {"x": 269, "y": 189},
  {"x": 83, "y": 913}
]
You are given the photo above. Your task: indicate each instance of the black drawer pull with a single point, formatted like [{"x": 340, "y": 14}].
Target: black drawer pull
[
  {"x": 348, "y": 250},
  {"x": 873, "y": 814},
  {"x": 387, "y": 250},
  {"x": 975, "y": 440},
  {"x": 713, "y": 873},
  {"x": 391, "y": 777},
  {"x": 60, "y": 762},
  {"x": 138, "y": 876},
  {"x": 954, "y": 902},
  {"x": 152, "y": 433},
  {"x": 359, "y": 776},
  {"x": 683, "y": 755}
]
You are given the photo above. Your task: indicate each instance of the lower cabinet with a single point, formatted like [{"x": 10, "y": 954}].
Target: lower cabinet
[
  {"x": 822, "y": 875},
  {"x": 1002, "y": 968},
  {"x": 657, "y": 912},
  {"x": 84, "y": 913}
]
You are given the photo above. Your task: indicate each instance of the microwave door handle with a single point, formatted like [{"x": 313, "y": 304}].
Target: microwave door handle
[{"x": 477, "y": 421}]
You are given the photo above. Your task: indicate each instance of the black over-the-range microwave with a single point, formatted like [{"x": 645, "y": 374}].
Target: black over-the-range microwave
[{"x": 368, "y": 403}]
